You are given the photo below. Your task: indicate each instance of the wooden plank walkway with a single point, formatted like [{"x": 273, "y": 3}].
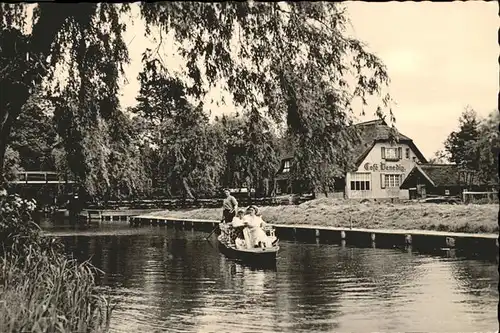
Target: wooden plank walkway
[
  {"x": 421, "y": 240},
  {"x": 111, "y": 215}
]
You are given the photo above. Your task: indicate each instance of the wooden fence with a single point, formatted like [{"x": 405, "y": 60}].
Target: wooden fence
[{"x": 479, "y": 197}]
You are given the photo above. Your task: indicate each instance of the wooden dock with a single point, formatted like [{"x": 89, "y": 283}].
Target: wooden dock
[
  {"x": 355, "y": 236},
  {"x": 114, "y": 215}
]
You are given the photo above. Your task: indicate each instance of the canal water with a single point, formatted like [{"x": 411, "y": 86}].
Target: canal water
[{"x": 166, "y": 280}]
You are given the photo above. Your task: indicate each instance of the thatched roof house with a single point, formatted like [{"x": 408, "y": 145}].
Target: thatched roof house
[
  {"x": 381, "y": 159},
  {"x": 368, "y": 133},
  {"x": 374, "y": 131}
]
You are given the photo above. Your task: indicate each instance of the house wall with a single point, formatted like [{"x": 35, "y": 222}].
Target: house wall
[{"x": 373, "y": 171}]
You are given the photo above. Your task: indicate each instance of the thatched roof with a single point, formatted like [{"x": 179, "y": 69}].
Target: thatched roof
[
  {"x": 285, "y": 149},
  {"x": 442, "y": 174},
  {"x": 374, "y": 131},
  {"x": 438, "y": 175},
  {"x": 370, "y": 133}
]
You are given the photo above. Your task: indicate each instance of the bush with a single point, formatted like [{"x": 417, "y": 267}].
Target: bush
[{"x": 41, "y": 290}]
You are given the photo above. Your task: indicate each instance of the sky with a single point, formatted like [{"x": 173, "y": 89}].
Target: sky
[{"x": 440, "y": 58}]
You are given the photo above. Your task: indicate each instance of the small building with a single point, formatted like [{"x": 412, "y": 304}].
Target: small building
[
  {"x": 282, "y": 183},
  {"x": 385, "y": 157},
  {"x": 438, "y": 180}
]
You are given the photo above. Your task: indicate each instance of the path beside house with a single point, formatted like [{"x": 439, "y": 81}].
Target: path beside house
[{"x": 371, "y": 215}]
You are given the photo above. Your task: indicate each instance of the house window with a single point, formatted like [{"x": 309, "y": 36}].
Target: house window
[
  {"x": 360, "y": 182},
  {"x": 407, "y": 153},
  {"x": 391, "y": 180},
  {"x": 392, "y": 154},
  {"x": 358, "y": 185},
  {"x": 286, "y": 166}
]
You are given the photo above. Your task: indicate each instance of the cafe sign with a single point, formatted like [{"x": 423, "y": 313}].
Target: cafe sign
[{"x": 384, "y": 167}]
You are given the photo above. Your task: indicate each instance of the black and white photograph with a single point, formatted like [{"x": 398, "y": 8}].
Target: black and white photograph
[{"x": 249, "y": 166}]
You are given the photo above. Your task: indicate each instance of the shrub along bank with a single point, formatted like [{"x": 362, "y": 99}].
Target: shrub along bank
[{"x": 42, "y": 290}]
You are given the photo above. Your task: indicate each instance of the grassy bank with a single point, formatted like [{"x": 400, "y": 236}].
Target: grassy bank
[
  {"x": 41, "y": 290},
  {"x": 374, "y": 215}
]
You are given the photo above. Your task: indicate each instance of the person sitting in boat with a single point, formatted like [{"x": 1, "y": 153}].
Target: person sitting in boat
[
  {"x": 238, "y": 220},
  {"x": 255, "y": 236},
  {"x": 236, "y": 226}
]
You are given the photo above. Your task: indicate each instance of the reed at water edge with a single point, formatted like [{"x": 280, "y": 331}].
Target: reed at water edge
[{"x": 41, "y": 289}]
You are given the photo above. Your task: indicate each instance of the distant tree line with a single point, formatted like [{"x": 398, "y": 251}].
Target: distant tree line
[{"x": 474, "y": 147}]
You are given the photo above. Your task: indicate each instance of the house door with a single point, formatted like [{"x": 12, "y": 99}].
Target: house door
[
  {"x": 421, "y": 190},
  {"x": 413, "y": 193}
]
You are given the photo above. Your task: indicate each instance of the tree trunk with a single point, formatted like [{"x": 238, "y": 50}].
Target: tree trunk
[
  {"x": 3, "y": 147},
  {"x": 187, "y": 189},
  {"x": 168, "y": 192},
  {"x": 7, "y": 121}
]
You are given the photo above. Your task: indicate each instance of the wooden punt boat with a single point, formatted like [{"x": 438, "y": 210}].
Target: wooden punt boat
[{"x": 256, "y": 255}]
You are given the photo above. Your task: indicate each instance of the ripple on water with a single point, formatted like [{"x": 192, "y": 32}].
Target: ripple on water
[{"x": 174, "y": 282}]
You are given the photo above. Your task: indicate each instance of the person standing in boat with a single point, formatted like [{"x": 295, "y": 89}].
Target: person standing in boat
[{"x": 229, "y": 207}]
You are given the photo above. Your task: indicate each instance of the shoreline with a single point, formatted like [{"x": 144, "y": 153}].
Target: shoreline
[
  {"x": 483, "y": 243},
  {"x": 338, "y": 213},
  {"x": 473, "y": 228}
]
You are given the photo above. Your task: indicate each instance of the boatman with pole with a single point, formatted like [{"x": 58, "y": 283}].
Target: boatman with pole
[{"x": 229, "y": 207}]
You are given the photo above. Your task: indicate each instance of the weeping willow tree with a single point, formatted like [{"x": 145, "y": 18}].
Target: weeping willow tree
[
  {"x": 251, "y": 151},
  {"x": 189, "y": 150},
  {"x": 279, "y": 55},
  {"x": 79, "y": 47}
]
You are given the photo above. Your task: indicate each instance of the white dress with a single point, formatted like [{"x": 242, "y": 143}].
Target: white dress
[
  {"x": 237, "y": 222},
  {"x": 255, "y": 232}
]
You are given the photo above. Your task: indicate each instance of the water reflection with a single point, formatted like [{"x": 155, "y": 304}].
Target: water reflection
[{"x": 175, "y": 281}]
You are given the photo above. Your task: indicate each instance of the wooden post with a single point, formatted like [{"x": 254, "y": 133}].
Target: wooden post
[
  {"x": 450, "y": 242},
  {"x": 408, "y": 240}
]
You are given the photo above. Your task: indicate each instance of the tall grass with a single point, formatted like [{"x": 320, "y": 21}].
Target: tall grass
[{"x": 41, "y": 289}]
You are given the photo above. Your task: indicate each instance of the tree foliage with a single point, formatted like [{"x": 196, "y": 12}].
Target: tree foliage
[
  {"x": 12, "y": 164},
  {"x": 192, "y": 154},
  {"x": 33, "y": 135},
  {"x": 189, "y": 155},
  {"x": 440, "y": 157},
  {"x": 251, "y": 151},
  {"x": 90, "y": 37},
  {"x": 462, "y": 144},
  {"x": 474, "y": 147},
  {"x": 287, "y": 55},
  {"x": 488, "y": 147},
  {"x": 277, "y": 55}
]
